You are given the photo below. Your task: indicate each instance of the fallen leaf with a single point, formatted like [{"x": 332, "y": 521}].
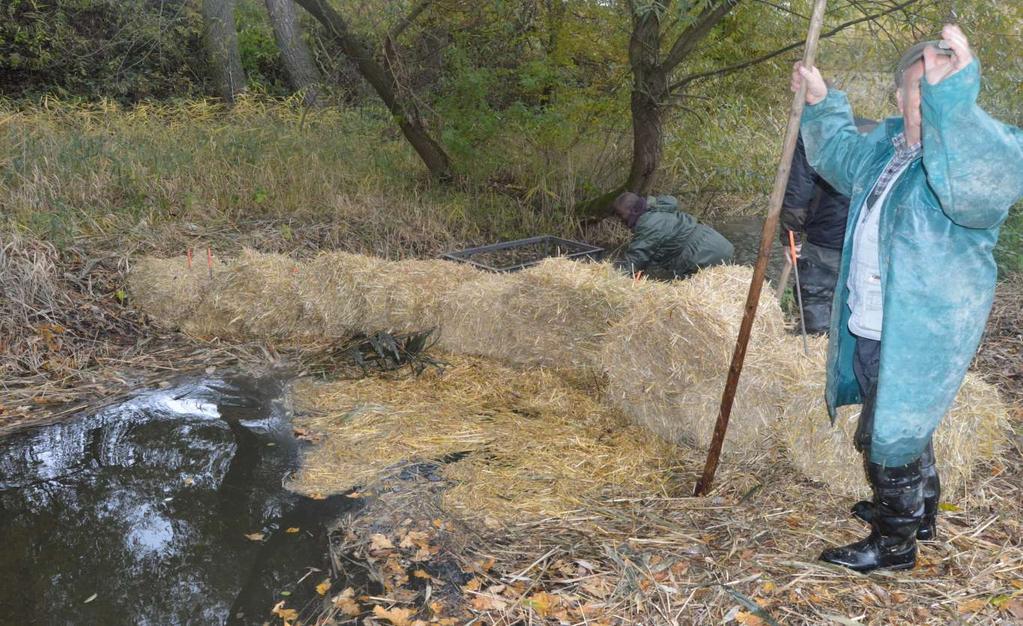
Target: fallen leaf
[
  {"x": 397, "y": 616},
  {"x": 1014, "y": 608},
  {"x": 972, "y": 606},
  {"x": 323, "y": 587},
  {"x": 288, "y": 615},
  {"x": 90, "y": 598},
  {"x": 414, "y": 539},
  {"x": 421, "y": 574},
  {"x": 948, "y": 507},
  {"x": 292, "y": 530},
  {"x": 472, "y": 585},
  {"x": 346, "y": 602},
  {"x": 380, "y": 543},
  {"x": 542, "y": 603},
  {"x": 748, "y": 619},
  {"x": 488, "y": 603},
  {"x": 255, "y": 536},
  {"x": 768, "y": 587}
]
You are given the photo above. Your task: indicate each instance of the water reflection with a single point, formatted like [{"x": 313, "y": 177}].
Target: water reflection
[{"x": 146, "y": 506}]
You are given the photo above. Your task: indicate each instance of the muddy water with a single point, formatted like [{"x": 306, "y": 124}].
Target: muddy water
[
  {"x": 138, "y": 514},
  {"x": 744, "y": 233}
]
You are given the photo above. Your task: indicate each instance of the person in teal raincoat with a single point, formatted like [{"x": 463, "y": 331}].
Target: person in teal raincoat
[
  {"x": 667, "y": 242},
  {"x": 929, "y": 193}
]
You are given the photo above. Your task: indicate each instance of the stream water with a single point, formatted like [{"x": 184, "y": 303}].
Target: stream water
[{"x": 166, "y": 509}]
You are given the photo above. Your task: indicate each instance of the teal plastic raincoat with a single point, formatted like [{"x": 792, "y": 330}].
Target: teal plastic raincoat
[{"x": 938, "y": 228}]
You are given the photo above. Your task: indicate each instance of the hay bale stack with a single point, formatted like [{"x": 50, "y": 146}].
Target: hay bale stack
[
  {"x": 407, "y": 296},
  {"x": 972, "y": 432},
  {"x": 667, "y": 361},
  {"x": 333, "y": 289},
  {"x": 254, "y": 297},
  {"x": 169, "y": 289},
  {"x": 555, "y": 314}
]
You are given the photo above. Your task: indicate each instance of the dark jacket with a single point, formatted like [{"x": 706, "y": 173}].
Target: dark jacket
[
  {"x": 668, "y": 241},
  {"x": 812, "y": 206}
]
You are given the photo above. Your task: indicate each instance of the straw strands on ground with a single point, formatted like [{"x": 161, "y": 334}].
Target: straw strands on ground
[
  {"x": 666, "y": 362},
  {"x": 527, "y": 443}
]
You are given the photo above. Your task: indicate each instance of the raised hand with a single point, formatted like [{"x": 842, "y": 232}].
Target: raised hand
[
  {"x": 816, "y": 89},
  {"x": 937, "y": 66}
]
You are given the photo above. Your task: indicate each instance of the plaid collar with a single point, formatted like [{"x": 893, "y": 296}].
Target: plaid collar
[{"x": 903, "y": 151}]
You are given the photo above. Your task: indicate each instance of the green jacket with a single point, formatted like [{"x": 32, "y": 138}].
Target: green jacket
[
  {"x": 668, "y": 241},
  {"x": 937, "y": 231}
]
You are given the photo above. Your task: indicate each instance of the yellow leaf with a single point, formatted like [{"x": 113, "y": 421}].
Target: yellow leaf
[
  {"x": 421, "y": 574},
  {"x": 380, "y": 543},
  {"x": 542, "y": 603},
  {"x": 748, "y": 619},
  {"x": 768, "y": 587},
  {"x": 292, "y": 530},
  {"x": 397, "y": 616},
  {"x": 472, "y": 585},
  {"x": 254, "y": 536},
  {"x": 415, "y": 539},
  {"x": 947, "y": 507},
  {"x": 323, "y": 587},
  {"x": 346, "y": 602},
  {"x": 288, "y": 615},
  {"x": 972, "y": 606}
]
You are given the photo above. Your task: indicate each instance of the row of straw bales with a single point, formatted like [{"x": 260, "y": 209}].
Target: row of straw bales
[{"x": 663, "y": 348}]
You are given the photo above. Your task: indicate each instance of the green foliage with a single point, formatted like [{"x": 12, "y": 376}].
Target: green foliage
[
  {"x": 122, "y": 49},
  {"x": 261, "y": 58},
  {"x": 1009, "y": 252}
]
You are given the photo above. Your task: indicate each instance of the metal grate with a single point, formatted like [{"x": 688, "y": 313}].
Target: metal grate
[{"x": 511, "y": 256}]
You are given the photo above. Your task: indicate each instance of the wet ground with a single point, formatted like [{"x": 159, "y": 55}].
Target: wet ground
[{"x": 167, "y": 509}]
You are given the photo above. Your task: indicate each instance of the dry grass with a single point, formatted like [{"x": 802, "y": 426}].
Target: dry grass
[{"x": 529, "y": 443}]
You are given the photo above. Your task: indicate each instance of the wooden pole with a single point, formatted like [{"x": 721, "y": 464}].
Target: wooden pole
[{"x": 766, "y": 239}]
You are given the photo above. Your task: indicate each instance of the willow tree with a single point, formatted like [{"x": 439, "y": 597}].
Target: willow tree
[{"x": 221, "y": 37}]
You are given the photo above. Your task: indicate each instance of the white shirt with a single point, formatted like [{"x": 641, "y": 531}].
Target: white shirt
[{"x": 866, "y": 300}]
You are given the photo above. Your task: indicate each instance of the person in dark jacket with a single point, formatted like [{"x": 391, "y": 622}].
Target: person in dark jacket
[
  {"x": 816, "y": 213},
  {"x": 667, "y": 243}
]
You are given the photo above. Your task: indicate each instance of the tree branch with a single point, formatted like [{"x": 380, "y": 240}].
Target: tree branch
[
  {"x": 402, "y": 25},
  {"x": 695, "y": 33},
  {"x": 792, "y": 46}
]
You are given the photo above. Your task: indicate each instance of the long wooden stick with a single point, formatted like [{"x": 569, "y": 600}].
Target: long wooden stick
[{"x": 766, "y": 238}]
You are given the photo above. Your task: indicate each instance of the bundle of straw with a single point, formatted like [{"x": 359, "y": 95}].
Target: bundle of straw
[
  {"x": 667, "y": 362},
  {"x": 556, "y": 314},
  {"x": 407, "y": 296},
  {"x": 170, "y": 289},
  {"x": 254, "y": 297},
  {"x": 333, "y": 289}
]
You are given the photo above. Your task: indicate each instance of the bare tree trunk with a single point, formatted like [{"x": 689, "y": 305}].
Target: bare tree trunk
[
  {"x": 402, "y": 107},
  {"x": 222, "y": 48},
  {"x": 649, "y": 95},
  {"x": 298, "y": 61}
]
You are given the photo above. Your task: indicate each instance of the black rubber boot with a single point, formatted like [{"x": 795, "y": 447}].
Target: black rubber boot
[
  {"x": 928, "y": 531},
  {"x": 899, "y": 509}
]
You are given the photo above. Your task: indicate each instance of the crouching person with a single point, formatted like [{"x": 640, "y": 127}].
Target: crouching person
[{"x": 666, "y": 242}]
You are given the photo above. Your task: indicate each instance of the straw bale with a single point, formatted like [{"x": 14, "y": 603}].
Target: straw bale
[
  {"x": 406, "y": 296},
  {"x": 168, "y": 289},
  {"x": 667, "y": 362},
  {"x": 254, "y": 297},
  {"x": 333, "y": 288},
  {"x": 972, "y": 432},
  {"x": 532, "y": 444},
  {"x": 555, "y": 314}
]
